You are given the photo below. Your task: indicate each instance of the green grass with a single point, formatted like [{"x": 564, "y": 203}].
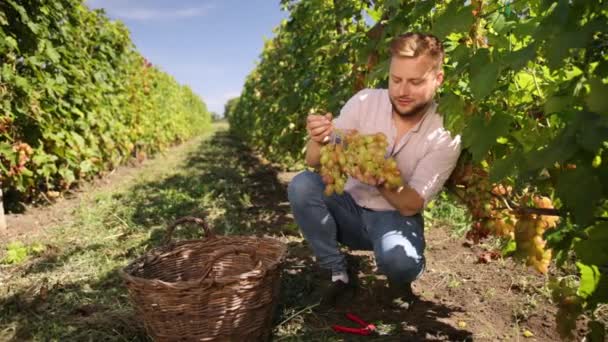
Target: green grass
[
  {"x": 71, "y": 291},
  {"x": 445, "y": 210}
]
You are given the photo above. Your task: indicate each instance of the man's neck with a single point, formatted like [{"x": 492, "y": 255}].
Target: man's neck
[{"x": 405, "y": 123}]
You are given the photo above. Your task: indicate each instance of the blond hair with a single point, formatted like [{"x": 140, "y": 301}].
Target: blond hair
[{"x": 414, "y": 44}]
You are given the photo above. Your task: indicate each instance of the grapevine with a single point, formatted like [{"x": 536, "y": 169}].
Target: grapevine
[
  {"x": 524, "y": 86},
  {"x": 76, "y": 98}
]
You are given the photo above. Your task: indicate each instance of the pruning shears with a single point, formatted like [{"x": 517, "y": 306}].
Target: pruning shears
[{"x": 364, "y": 328}]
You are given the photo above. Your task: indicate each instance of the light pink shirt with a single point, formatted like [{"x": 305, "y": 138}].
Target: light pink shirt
[{"x": 426, "y": 155}]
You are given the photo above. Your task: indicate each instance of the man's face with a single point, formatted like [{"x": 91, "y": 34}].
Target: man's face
[{"x": 412, "y": 84}]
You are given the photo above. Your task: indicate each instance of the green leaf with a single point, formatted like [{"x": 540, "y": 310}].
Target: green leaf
[
  {"x": 483, "y": 74},
  {"x": 498, "y": 22},
  {"x": 11, "y": 43},
  {"x": 561, "y": 240},
  {"x": 597, "y": 100},
  {"x": 451, "y": 106},
  {"x": 6, "y": 150},
  {"x": 525, "y": 28},
  {"x": 16, "y": 252},
  {"x": 374, "y": 14},
  {"x": 33, "y": 27},
  {"x": 380, "y": 71},
  {"x": 562, "y": 148},
  {"x": 556, "y": 104},
  {"x": 422, "y": 8},
  {"x": 590, "y": 278},
  {"x": 455, "y": 18},
  {"x": 580, "y": 190},
  {"x": 51, "y": 53},
  {"x": 67, "y": 175},
  {"x": 78, "y": 139},
  {"x": 593, "y": 131},
  {"x": 503, "y": 168},
  {"x": 460, "y": 54},
  {"x": 86, "y": 166},
  {"x": 592, "y": 250},
  {"x": 509, "y": 248},
  {"x": 518, "y": 59},
  {"x": 479, "y": 136}
]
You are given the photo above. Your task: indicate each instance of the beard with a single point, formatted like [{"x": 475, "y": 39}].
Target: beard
[{"x": 418, "y": 109}]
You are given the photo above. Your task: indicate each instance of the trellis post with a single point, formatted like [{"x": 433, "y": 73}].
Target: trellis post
[{"x": 2, "y": 218}]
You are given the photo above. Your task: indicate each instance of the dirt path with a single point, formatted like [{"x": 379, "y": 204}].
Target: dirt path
[{"x": 240, "y": 194}]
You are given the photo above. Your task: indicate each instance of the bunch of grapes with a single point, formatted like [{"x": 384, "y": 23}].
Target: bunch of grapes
[
  {"x": 6, "y": 122},
  {"x": 491, "y": 214},
  {"x": 333, "y": 160},
  {"x": 23, "y": 153},
  {"x": 482, "y": 198},
  {"x": 359, "y": 156},
  {"x": 529, "y": 231}
]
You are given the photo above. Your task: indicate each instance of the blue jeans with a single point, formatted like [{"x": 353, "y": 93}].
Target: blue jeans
[{"x": 325, "y": 221}]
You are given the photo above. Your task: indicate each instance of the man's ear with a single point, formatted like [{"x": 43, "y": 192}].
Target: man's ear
[{"x": 439, "y": 77}]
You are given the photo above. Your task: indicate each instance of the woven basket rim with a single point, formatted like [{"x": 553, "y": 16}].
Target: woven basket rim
[{"x": 254, "y": 273}]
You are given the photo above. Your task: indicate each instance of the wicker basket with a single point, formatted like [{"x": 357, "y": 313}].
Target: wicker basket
[{"x": 220, "y": 288}]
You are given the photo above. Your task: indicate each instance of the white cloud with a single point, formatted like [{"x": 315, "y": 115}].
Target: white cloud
[
  {"x": 215, "y": 103},
  {"x": 131, "y": 10},
  {"x": 145, "y": 14}
]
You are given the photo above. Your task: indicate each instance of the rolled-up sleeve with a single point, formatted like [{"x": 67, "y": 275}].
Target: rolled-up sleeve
[{"x": 436, "y": 166}]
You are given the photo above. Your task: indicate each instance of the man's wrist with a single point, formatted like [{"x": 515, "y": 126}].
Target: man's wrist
[
  {"x": 398, "y": 190},
  {"x": 319, "y": 144}
]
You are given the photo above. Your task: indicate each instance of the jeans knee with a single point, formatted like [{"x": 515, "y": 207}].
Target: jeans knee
[
  {"x": 399, "y": 267},
  {"x": 303, "y": 186}
]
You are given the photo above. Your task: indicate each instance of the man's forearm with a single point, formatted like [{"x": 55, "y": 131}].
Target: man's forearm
[
  {"x": 313, "y": 153},
  {"x": 408, "y": 202}
]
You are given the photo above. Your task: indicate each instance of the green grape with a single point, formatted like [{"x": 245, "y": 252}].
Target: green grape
[{"x": 361, "y": 157}]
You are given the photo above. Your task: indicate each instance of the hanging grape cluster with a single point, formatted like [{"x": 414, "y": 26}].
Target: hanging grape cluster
[
  {"x": 529, "y": 231},
  {"x": 489, "y": 208},
  {"x": 484, "y": 201},
  {"x": 359, "y": 156}
]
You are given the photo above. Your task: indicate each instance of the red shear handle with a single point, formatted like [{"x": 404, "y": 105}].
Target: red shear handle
[
  {"x": 357, "y": 320},
  {"x": 356, "y": 331},
  {"x": 364, "y": 327}
]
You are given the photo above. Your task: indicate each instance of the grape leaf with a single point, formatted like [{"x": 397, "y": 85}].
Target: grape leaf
[
  {"x": 597, "y": 100},
  {"x": 502, "y": 168},
  {"x": 455, "y": 18},
  {"x": 483, "y": 74},
  {"x": 451, "y": 106},
  {"x": 580, "y": 190},
  {"x": 592, "y": 250},
  {"x": 479, "y": 136},
  {"x": 590, "y": 278},
  {"x": 518, "y": 59}
]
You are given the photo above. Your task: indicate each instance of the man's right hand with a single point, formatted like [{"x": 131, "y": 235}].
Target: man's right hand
[{"x": 319, "y": 127}]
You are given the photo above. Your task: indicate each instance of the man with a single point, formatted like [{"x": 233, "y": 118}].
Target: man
[{"x": 369, "y": 216}]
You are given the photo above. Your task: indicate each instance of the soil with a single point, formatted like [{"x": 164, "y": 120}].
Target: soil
[{"x": 460, "y": 298}]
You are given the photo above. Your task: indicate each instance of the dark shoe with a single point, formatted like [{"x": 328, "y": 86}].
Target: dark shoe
[
  {"x": 401, "y": 297},
  {"x": 337, "y": 293}
]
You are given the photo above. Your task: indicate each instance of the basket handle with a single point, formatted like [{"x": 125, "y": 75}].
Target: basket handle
[
  {"x": 233, "y": 250},
  {"x": 206, "y": 231}
]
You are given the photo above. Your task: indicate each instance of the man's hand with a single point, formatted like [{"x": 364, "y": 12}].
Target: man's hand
[
  {"x": 373, "y": 181},
  {"x": 319, "y": 127}
]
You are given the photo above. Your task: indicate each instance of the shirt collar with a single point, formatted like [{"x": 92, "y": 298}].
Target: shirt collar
[{"x": 428, "y": 112}]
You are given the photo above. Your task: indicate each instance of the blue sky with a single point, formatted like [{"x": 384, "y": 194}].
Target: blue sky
[{"x": 210, "y": 45}]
